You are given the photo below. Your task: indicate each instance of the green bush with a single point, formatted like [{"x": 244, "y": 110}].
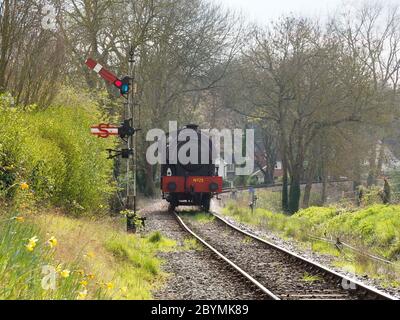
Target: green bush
[
  {"x": 52, "y": 150},
  {"x": 376, "y": 227},
  {"x": 240, "y": 181},
  {"x": 155, "y": 237},
  {"x": 252, "y": 181}
]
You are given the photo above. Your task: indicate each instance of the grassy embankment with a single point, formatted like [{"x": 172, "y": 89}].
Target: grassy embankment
[
  {"x": 94, "y": 258},
  {"x": 374, "y": 229},
  {"x": 55, "y": 186}
]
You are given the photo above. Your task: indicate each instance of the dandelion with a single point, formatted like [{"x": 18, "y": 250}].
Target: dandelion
[
  {"x": 83, "y": 283},
  {"x": 30, "y": 246},
  {"x": 52, "y": 242},
  {"x": 109, "y": 285},
  {"x": 82, "y": 294},
  {"x": 24, "y": 186},
  {"x": 65, "y": 273}
]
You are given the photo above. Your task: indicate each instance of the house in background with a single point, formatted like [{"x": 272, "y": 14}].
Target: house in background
[
  {"x": 390, "y": 161},
  {"x": 277, "y": 173},
  {"x": 226, "y": 171},
  {"x": 386, "y": 158}
]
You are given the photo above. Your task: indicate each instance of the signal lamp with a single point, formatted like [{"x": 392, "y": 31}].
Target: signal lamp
[{"x": 123, "y": 85}]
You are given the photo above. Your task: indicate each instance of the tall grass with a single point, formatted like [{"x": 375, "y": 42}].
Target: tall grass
[
  {"x": 125, "y": 265},
  {"x": 21, "y": 269},
  {"x": 48, "y": 160},
  {"x": 138, "y": 269},
  {"x": 200, "y": 217},
  {"x": 376, "y": 227},
  {"x": 93, "y": 259}
]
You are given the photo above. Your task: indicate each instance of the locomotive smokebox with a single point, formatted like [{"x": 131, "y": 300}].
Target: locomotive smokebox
[{"x": 192, "y": 126}]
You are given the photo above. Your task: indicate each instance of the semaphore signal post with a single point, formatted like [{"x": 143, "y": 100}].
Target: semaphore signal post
[
  {"x": 131, "y": 195},
  {"x": 126, "y": 131}
]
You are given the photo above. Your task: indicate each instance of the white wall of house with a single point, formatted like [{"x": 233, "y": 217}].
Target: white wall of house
[
  {"x": 222, "y": 167},
  {"x": 390, "y": 162}
]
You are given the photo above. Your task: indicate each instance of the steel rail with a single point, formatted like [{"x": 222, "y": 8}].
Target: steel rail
[
  {"x": 358, "y": 284},
  {"x": 232, "y": 264}
]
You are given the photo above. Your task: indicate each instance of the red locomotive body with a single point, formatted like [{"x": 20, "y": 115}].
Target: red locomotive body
[{"x": 192, "y": 184}]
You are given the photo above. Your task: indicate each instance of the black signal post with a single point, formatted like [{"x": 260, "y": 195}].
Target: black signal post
[{"x": 127, "y": 87}]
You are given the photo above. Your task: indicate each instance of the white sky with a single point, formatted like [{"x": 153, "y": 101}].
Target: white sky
[{"x": 263, "y": 11}]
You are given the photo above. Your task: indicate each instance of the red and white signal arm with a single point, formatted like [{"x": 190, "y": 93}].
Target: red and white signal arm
[
  {"x": 104, "y": 130},
  {"x": 103, "y": 72},
  {"x": 106, "y": 74}
]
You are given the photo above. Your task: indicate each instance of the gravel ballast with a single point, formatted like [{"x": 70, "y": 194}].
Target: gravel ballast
[
  {"x": 194, "y": 274},
  {"x": 306, "y": 253},
  {"x": 272, "y": 268}
]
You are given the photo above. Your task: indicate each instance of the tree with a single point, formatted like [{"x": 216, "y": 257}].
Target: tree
[
  {"x": 31, "y": 57},
  {"x": 372, "y": 35},
  {"x": 268, "y": 149},
  {"x": 304, "y": 81}
]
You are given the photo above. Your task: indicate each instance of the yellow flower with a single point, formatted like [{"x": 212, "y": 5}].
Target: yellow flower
[
  {"x": 83, "y": 283},
  {"x": 24, "y": 186},
  {"x": 52, "y": 242},
  {"x": 30, "y": 246},
  {"x": 20, "y": 219},
  {"x": 90, "y": 276},
  {"x": 90, "y": 255},
  {"x": 65, "y": 273},
  {"x": 109, "y": 285},
  {"x": 82, "y": 294}
]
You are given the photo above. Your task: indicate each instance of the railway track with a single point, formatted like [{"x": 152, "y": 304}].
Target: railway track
[{"x": 279, "y": 273}]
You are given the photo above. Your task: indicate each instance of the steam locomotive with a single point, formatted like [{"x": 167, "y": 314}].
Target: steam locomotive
[{"x": 193, "y": 183}]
